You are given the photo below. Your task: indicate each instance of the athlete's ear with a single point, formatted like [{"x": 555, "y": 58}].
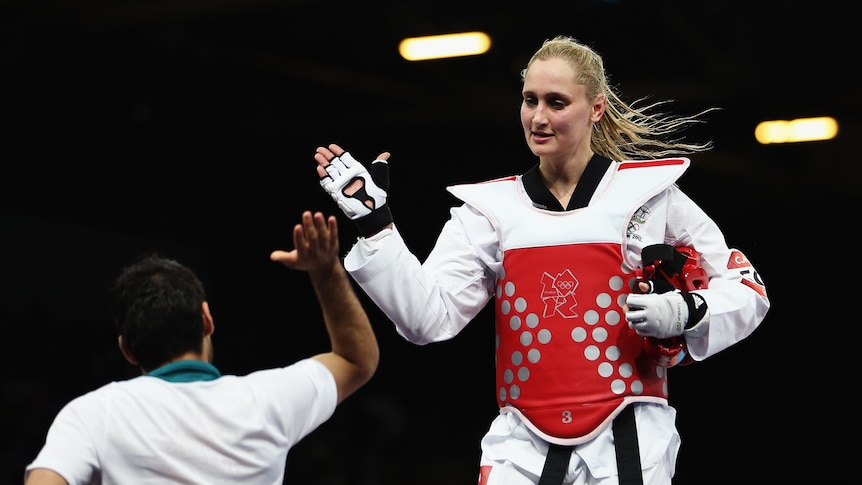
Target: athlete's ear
[
  {"x": 128, "y": 355},
  {"x": 209, "y": 325},
  {"x": 600, "y": 104}
]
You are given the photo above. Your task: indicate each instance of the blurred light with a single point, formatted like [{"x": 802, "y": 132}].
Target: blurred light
[
  {"x": 795, "y": 131},
  {"x": 446, "y": 45}
]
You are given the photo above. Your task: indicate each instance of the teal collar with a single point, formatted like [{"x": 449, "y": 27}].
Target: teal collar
[{"x": 186, "y": 371}]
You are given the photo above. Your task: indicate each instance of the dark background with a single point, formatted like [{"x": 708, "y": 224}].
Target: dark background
[{"x": 188, "y": 128}]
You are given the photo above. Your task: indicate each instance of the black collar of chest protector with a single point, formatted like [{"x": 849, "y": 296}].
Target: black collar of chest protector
[{"x": 544, "y": 199}]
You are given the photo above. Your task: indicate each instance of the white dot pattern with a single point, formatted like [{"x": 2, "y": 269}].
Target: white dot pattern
[{"x": 590, "y": 333}]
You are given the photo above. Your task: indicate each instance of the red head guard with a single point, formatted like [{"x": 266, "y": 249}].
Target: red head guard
[{"x": 668, "y": 268}]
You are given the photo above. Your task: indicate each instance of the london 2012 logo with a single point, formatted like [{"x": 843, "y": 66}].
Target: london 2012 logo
[{"x": 558, "y": 294}]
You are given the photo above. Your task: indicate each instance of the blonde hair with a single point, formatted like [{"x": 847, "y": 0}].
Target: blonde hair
[{"x": 626, "y": 131}]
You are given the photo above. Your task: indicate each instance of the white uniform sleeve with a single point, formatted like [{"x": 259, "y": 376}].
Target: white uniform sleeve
[
  {"x": 431, "y": 301},
  {"x": 736, "y": 296},
  {"x": 304, "y": 396},
  {"x": 69, "y": 449}
]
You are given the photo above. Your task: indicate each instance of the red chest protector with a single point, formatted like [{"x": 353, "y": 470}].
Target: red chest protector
[{"x": 566, "y": 359}]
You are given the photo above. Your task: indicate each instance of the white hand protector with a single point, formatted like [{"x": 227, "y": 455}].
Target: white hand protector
[
  {"x": 659, "y": 315},
  {"x": 664, "y": 315},
  {"x": 359, "y": 194}
]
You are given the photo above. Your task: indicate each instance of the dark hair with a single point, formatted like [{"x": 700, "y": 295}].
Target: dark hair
[{"x": 157, "y": 310}]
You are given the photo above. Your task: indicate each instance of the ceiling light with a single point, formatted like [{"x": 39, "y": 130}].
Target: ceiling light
[
  {"x": 798, "y": 130},
  {"x": 446, "y": 45}
]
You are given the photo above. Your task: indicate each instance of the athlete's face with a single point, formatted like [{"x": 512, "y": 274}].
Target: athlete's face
[{"x": 556, "y": 115}]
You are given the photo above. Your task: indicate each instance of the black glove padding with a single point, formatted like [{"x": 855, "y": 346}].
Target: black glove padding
[{"x": 360, "y": 195}]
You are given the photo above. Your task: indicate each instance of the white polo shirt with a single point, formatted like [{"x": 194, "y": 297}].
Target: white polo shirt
[{"x": 186, "y": 423}]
